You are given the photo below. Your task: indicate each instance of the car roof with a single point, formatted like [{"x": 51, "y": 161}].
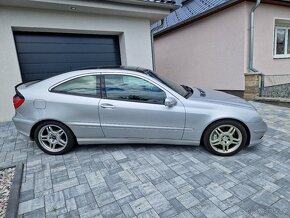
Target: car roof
[
  {"x": 130, "y": 68},
  {"x": 79, "y": 72}
]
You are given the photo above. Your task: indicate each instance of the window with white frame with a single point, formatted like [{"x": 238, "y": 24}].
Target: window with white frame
[{"x": 282, "y": 42}]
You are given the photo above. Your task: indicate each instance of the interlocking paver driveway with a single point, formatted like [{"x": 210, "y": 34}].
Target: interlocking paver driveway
[{"x": 155, "y": 180}]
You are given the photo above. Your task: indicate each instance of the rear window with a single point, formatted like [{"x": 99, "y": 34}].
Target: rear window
[{"x": 83, "y": 86}]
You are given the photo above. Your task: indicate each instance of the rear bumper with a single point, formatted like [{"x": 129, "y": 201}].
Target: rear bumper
[
  {"x": 257, "y": 131},
  {"x": 23, "y": 126}
]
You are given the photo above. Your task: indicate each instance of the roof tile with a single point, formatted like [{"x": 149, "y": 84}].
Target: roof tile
[{"x": 188, "y": 9}]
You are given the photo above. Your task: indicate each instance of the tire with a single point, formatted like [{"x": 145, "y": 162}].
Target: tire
[
  {"x": 225, "y": 137},
  {"x": 54, "y": 138}
]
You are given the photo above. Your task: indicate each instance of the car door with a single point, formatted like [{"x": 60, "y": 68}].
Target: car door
[
  {"x": 133, "y": 107},
  {"x": 75, "y": 102}
]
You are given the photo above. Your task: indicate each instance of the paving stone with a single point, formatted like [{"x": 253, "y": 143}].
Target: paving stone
[
  {"x": 85, "y": 199},
  {"x": 35, "y": 214},
  {"x": 265, "y": 197},
  {"x": 127, "y": 210},
  {"x": 119, "y": 155},
  {"x": 158, "y": 202},
  {"x": 121, "y": 191},
  {"x": 56, "y": 212},
  {"x": 201, "y": 179},
  {"x": 267, "y": 185},
  {"x": 236, "y": 211},
  {"x": 283, "y": 206},
  {"x": 185, "y": 214},
  {"x": 65, "y": 184},
  {"x": 126, "y": 200},
  {"x": 259, "y": 210},
  {"x": 187, "y": 200},
  {"x": 196, "y": 212},
  {"x": 148, "y": 214},
  {"x": 171, "y": 212},
  {"x": 111, "y": 210},
  {"x": 218, "y": 191},
  {"x": 71, "y": 204},
  {"x": 168, "y": 190},
  {"x": 31, "y": 205},
  {"x": 26, "y": 195},
  {"x": 94, "y": 178},
  {"x": 43, "y": 184},
  {"x": 76, "y": 190},
  {"x": 54, "y": 201},
  {"x": 70, "y": 214},
  {"x": 91, "y": 213},
  {"x": 210, "y": 210},
  {"x": 242, "y": 191},
  {"x": 104, "y": 198},
  {"x": 177, "y": 205},
  {"x": 140, "y": 205}
]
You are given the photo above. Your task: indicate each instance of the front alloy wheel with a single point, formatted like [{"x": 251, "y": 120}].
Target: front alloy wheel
[
  {"x": 225, "y": 138},
  {"x": 54, "y": 138}
]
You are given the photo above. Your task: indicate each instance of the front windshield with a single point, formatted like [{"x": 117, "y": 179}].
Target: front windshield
[{"x": 175, "y": 87}]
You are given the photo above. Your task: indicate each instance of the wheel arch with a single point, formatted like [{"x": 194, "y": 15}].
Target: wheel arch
[
  {"x": 232, "y": 119},
  {"x": 32, "y": 131}
]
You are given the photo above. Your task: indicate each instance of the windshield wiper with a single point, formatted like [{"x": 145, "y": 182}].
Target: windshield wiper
[
  {"x": 202, "y": 93},
  {"x": 189, "y": 91}
]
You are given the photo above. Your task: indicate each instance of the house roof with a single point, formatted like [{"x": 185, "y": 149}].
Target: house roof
[
  {"x": 188, "y": 9},
  {"x": 192, "y": 10}
]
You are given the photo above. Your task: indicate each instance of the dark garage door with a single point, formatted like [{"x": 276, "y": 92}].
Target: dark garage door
[{"x": 43, "y": 55}]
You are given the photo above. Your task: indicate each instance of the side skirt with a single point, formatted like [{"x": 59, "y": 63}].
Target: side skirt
[{"x": 86, "y": 141}]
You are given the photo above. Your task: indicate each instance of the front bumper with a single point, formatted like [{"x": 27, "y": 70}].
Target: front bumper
[{"x": 257, "y": 131}]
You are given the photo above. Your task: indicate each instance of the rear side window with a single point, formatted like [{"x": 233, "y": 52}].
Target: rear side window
[{"x": 83, "y": 86}]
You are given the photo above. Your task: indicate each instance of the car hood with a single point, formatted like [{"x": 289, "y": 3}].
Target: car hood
[{"x": 218, "y": 97}]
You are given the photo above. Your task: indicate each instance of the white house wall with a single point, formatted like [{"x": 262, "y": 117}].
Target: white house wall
[
  {"x": 209, "y": 53},
  {"x": 264, "y": 59}
]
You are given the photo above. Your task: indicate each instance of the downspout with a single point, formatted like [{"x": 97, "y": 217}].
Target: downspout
[
  {"x": 152, "y": 42},
  {"x": 251, "y": 53}
]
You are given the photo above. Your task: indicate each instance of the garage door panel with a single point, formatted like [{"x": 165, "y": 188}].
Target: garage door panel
[
  {"x": 65, "y": 58},
  {"x": 33, "y": 71},
  {"x": 62, "y": 38},
  {"x": 42, "y": 55},
  {"x": 60, "y": 67},
  {"x": 66, "y": 48}
]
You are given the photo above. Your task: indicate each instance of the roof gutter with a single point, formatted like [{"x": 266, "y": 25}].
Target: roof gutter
[
  {"x": 147, "y": 3},
  {"x": 251, "y": 52}
]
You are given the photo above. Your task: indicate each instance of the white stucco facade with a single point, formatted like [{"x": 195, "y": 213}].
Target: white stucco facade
[
  {"x": 133, "y": 31},
  {"x": 213, "y": 52},
  {"x": 210, "y": 53}
]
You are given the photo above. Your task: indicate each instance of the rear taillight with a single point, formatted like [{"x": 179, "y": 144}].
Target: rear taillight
[{"x": 18, "y": 100}]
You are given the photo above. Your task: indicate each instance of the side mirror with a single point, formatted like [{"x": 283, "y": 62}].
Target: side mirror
[{"x": 170, "y": 102}]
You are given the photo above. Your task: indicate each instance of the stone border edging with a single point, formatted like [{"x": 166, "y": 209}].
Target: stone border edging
[{"x": 13, "y": 201}]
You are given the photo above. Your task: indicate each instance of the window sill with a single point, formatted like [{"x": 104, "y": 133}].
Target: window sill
[{"x": 281, "y": 56}]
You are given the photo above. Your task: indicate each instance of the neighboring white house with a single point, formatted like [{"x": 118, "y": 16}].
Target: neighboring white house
[{"x": 42, "y": 38}]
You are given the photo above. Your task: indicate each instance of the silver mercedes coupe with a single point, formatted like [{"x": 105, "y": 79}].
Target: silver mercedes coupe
[{"x": 120, "y": 105}]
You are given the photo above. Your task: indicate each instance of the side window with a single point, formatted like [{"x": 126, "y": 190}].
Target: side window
[
  {"x": 130, "y": 88},
  {"x": 83, "y": 86}
]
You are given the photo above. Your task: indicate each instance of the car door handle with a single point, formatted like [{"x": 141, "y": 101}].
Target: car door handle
[{"x": 107, "y": 106}]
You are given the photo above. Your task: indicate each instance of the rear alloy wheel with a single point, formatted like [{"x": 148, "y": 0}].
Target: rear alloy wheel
[
  {"x": 54, "y": 138},
  {"x": 225, "y": 138}
]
